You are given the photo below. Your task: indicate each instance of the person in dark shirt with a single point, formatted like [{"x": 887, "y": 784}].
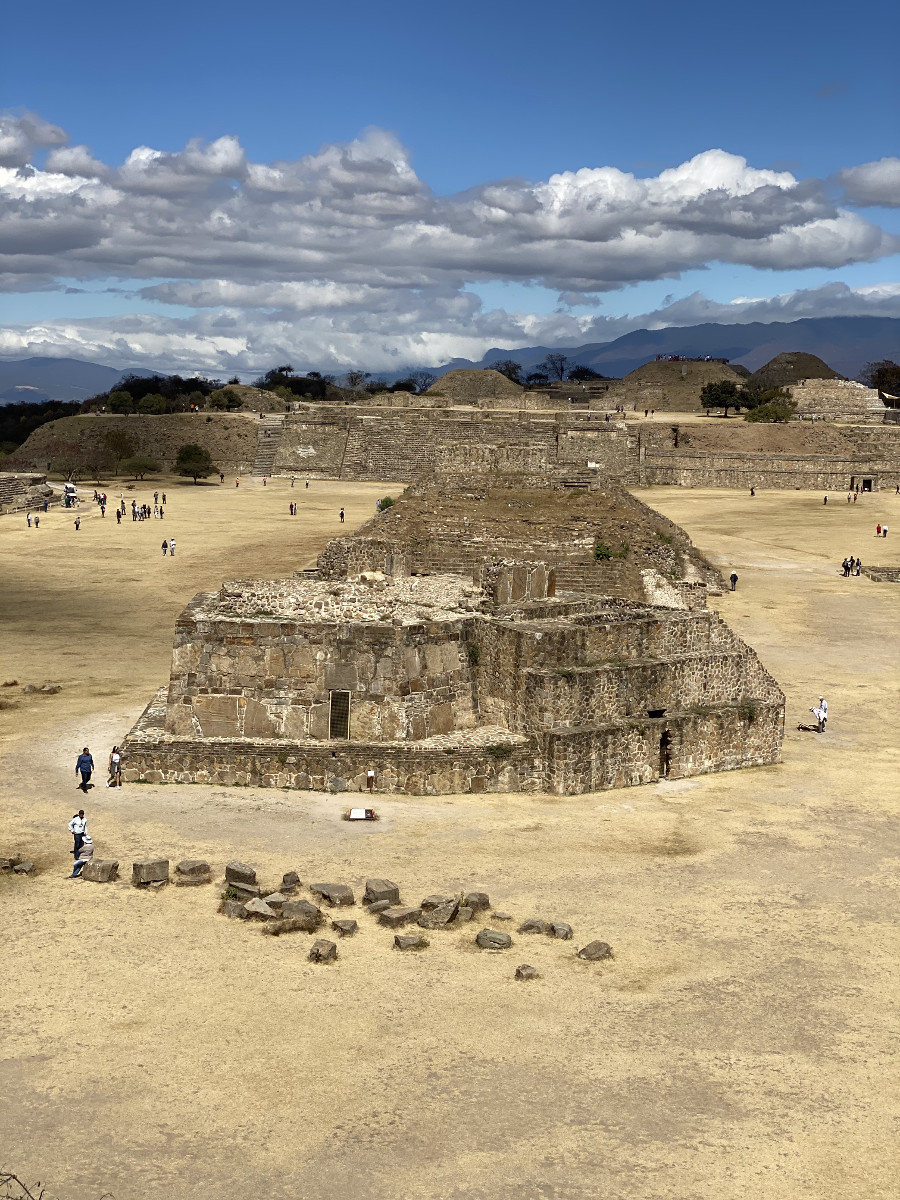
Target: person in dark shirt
[{"x": 84, "y": 766}]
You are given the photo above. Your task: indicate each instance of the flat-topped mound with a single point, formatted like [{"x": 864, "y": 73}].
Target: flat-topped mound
[
  {"x": 791, "y": 367},
  {"x": 673, "y": 386},
  {"x": 466, "y": 386},
  {"x": 737, "y": 435},
  {"x": 370, "y": 598}
]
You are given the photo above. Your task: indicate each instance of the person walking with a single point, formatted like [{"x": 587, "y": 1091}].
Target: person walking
[
  {"x": 221, "y": 477},
  {"x": 734, "y": 581},
  {"x": 171, "y": 547},
  {"x": 858, "y": 568},
  {"x": 85, "y": 854},
  {"x": 164, "y": 498},
  {"x": 165, "y": 547},
  {"x": 156, "y": 498},
  {"x": 28, "y": 519},
  {"x": 884, "y": 531},
  {"x": 37, "y": 520},
  {"x": 237, "y": 483},
  {"x": 825, "y": 500},
  {"x": 84, "y": 766},
  {"x": 118, "y": 516},
  {"x": 77, "y": 524},
  {"x": 878, "y": 530},
  {"x": 292, "y": 481},
  {"x": 78, "y": 828},
  {"x": 342, "y": 516},
  {"x": 115, "y": 768}
]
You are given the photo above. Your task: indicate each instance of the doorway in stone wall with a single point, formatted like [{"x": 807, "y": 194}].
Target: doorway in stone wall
[
  {"x": 339, "y": 716},
  {"x": 665, "y": 754}
]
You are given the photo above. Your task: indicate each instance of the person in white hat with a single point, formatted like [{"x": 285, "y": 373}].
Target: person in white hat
[{"x": 85, "y": 855}]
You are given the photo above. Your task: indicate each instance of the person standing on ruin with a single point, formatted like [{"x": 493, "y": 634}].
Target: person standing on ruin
[
  {"x": 84, "y": 766},
  {"x": 734, "y": 581},
  {"x": 78, "y": 828}
]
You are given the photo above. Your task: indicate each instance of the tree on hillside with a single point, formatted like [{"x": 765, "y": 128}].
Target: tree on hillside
[
  {"x": 140, "y": 465},
  {"x": 537, "y": 379},
  {"x": 119, "y": 445},
  {"x": 228, "y": 400},
  {"x": 152, "y": 404},
  {"x": 583, "y": 374},
  {"x": 120, "y": 402},
  {"x": 554, "y": 366},
  {"x": 722, "y": 393},
  {"x": 66, "y": 458},
  {"x": 194, "y": 461},
  {"x": 508, "y": 367},
  {"x": 884, "y": 375},
  {"x": 423, "y": 380},
  {"x": 356, "y": 380}
]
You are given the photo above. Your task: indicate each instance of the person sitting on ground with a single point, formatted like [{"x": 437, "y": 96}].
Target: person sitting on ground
[{"x": 85, "y": 854}]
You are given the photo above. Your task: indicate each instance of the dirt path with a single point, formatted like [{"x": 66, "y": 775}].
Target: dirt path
[{"x": 739, "y": 1044}]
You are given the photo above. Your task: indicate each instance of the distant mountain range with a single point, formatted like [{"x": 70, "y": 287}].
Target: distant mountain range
[
  {"x": 845, "y": 343},
  {"x": 36, "y": 379}
]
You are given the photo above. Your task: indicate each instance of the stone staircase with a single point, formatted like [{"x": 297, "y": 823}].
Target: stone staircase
[{"x": 268, "y": 434}]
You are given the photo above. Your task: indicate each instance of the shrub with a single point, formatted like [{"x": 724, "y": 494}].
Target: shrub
[{"x": 387, "y": 502}]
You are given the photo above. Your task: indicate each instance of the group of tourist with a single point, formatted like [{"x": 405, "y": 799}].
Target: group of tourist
[
  {"x": 851, "y": 566},
  {"x": 83, "y": 849}
]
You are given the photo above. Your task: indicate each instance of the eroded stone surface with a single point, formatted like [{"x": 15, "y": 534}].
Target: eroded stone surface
[
  {"x": 392, "y": 917},
  {"x": 595, "y": 951},
  {"x": 493, "y": 939},
  {"x": 336, "y": 894},
  {"x": 323, "y": 951},
  {"x": 526, "y": 971},
  {"x": 150, "y": 870}
]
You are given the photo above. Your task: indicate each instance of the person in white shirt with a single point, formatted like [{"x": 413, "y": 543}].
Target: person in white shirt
[
  {"x": 115, "y": 768},
  {"x": 823, "y": 709},
  {"x": 78, "y": 828}
]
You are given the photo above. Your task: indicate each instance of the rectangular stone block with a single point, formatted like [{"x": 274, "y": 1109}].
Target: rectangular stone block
[
  {"x": 100, "y": 870},
  {"x": 394, "y": 917},
  {"x": 150, "y": 870},
  {"x": 238, "y": 872},
  {"x": 381, "y": 889},
  {"x": 192, "y": 866}
]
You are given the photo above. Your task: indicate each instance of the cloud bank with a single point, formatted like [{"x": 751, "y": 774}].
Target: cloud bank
[{"x": 346, "y": 257}]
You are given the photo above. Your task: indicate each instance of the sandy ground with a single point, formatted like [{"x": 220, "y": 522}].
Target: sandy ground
[{"x": 741, "y": 1043}]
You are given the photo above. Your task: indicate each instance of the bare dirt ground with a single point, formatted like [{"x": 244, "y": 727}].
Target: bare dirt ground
[{"x": 740, "y": 1044}]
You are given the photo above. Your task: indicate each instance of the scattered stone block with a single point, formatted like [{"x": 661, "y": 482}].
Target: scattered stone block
[
  {"x": 410, "y": 941},
  {"x": 493, "y": 939},
  {"x": 233, "y": 908},
  {"x": 336, "y": 894},
  {"x": 534, "y": 925},
  {"x": 288, "y": 925},
  {"x": 500, "y": 916},
  {"x": 192, "y": 872},
  {"x": 150, "y": 870},
  {"x": 101, "y": 870},
  {"x": 323, "y": 951},
  {"x": 476, "y": 901},
  {"x": 7, "y": 864},
  {"x": 246, "y": 890},
  {"x": 526, "y": 971},
  {"x": 301, "y": 910},
  {"x": 258, "y": 908},
  {"x": 29, "y": 688},
  {"x": 155, "y": 884},
  {"x": 381, "y": 889},
  {"x": 23, "y": 868},
  {"x": 431, "y": 902},
  {"x": 561, "y": 930},
  {"x": 290, "y": 881},
  {"x": 51, "y": 689},
  {"x": 379, "y": 906},
  {"x": 275, "y": 901},
  {"x": 192, "y": 866},
  {"x": 237, "y": 872},
  {"x": 440, "y": 917},
  {"x": 595, "y": 951},
  {"x": 392, "y": 917},
  {"x": 345, "y": 928},
  {"x": 463, "y": 915}
]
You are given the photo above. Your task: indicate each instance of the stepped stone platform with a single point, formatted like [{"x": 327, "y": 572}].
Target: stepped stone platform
[
  {"x": 23, "y": 490},
  {"x": 490, "y": 678}
]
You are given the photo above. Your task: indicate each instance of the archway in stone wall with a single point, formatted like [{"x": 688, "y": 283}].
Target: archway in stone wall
[{"x": 665, "y": 754}]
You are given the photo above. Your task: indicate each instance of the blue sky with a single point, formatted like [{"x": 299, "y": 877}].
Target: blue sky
[{"x": 459, "y": 97}]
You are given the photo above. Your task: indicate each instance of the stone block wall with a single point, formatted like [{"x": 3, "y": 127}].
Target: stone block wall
[{"x": 273, "y": 679}]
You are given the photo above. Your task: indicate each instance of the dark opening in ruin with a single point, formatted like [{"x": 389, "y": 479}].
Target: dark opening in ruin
[
  {"x": 867, "y": 485},
  {"x": 656, "y": 712},
  {"x": 339, "y": 716},
  {"x": 665, "y": 758}
]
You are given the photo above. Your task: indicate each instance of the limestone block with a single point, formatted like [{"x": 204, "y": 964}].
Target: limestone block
[
  {"x": 381, "y": 889},
  {"x": 412, "y": 667},
  {"x": 218, "y": 715},
  {"x": 257, "y": 907},
  {"x": 333, "y": 893},
  {"x": 180, "y": 720},
  {"x": 345, "y": 928},
  {"x": 323, "y": 951},
  {"x": 302, "y": 910},
  {"x": 440, "y": 917},
  {"x": 234, "y": 909},
  {"x": 150, "y": 870},
  {"x": 185, "y": 658},
  {"x": 410, "y": 941},
  {"x": 476, "y": 900},
  {"x": 440, "y": 719},
  {"x": 238, "y": 872},
  {"x": 392, "y": 917},
  {"x": 318, "y": 721},
  {"x": 493, "y": 939},
  {"x": 450, "y": 656},
  {"x": 295, "y": 725},
  {"x": 434, "y": 662},
  {"x": 341, "y": 677},
  {"x": 100, "y": 870},
  {"x": 519, "y": 583},
  {"x": 257, "y": 721},
  {"x": 192, "y": 866}
]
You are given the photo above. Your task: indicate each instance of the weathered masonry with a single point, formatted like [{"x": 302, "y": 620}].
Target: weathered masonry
[{"x": 444, "y": 684}]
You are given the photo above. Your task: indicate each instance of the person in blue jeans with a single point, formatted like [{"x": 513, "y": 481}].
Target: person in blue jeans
[{"x": 84, "y": 766}]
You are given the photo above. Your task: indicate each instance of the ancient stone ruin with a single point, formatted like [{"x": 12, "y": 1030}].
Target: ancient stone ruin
[{"x": 487, "y": 677}]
